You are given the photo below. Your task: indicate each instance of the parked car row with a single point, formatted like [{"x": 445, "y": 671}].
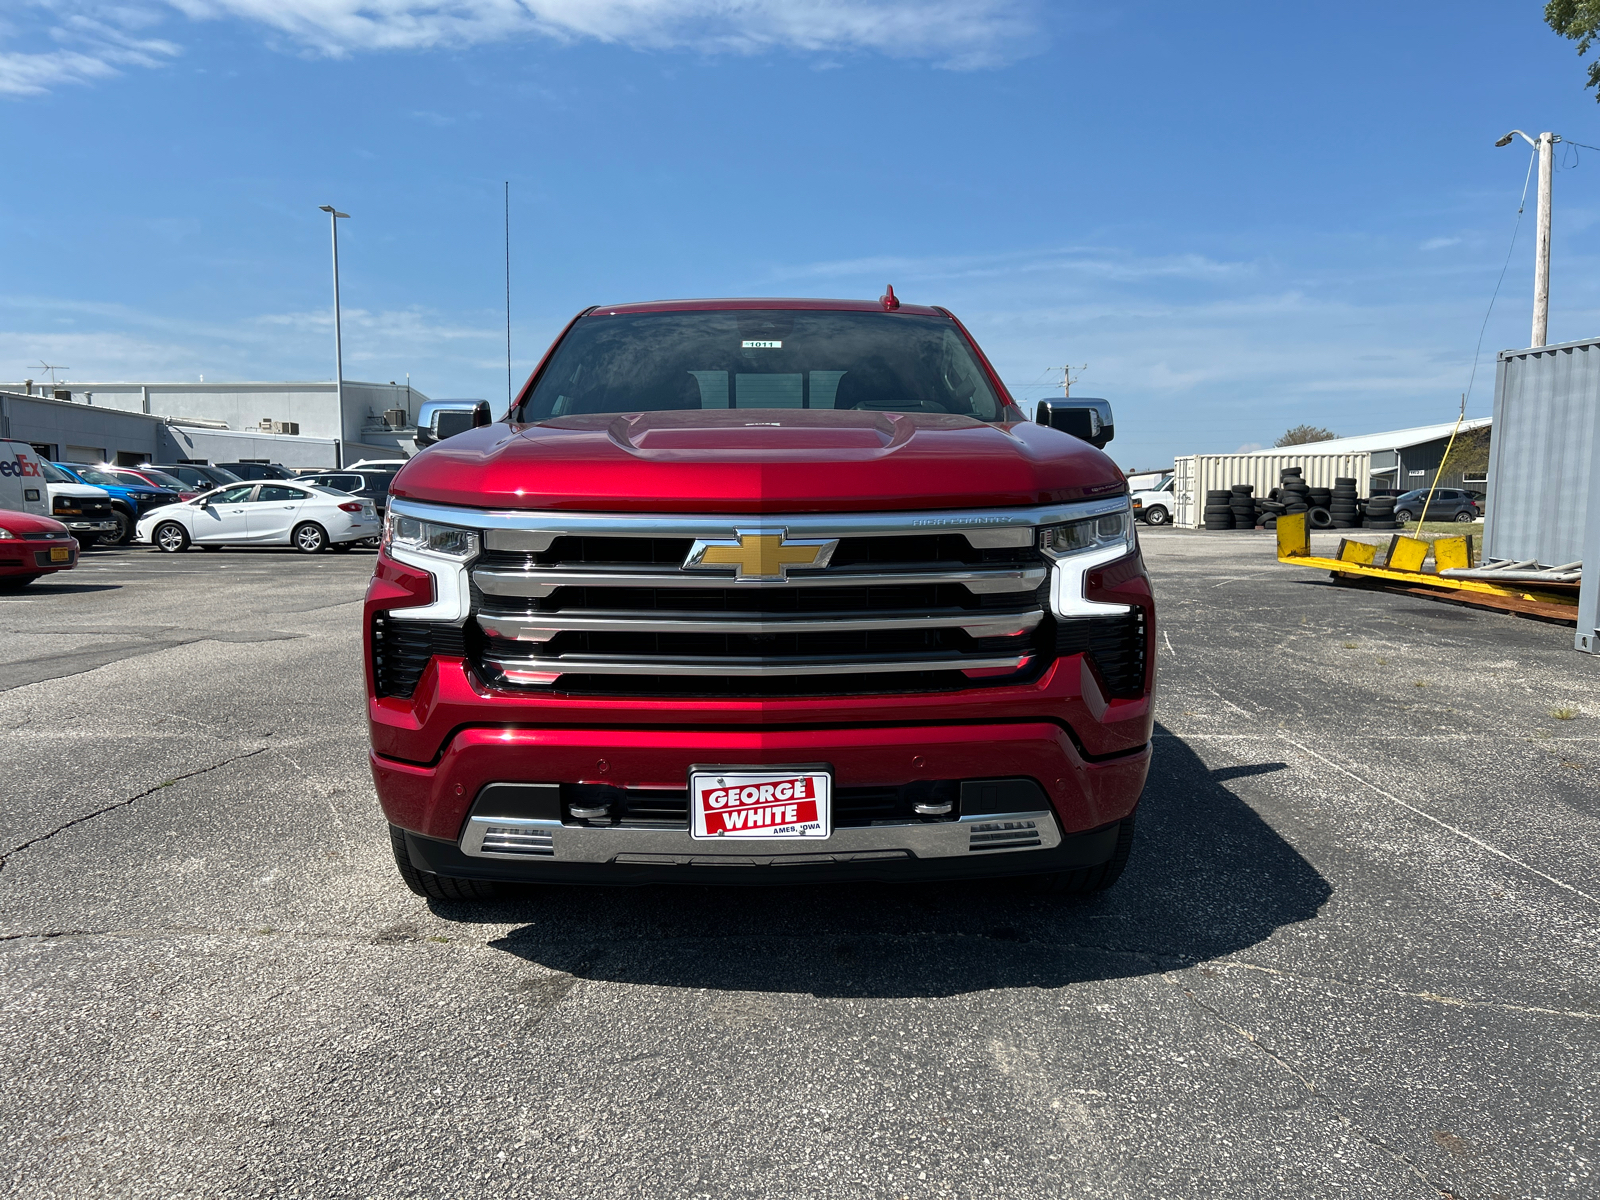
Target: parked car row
[{"x": 50, "y": 512}]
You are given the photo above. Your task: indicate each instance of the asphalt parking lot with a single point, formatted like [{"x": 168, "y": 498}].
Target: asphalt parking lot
[{"x": 1357, "y": 950}]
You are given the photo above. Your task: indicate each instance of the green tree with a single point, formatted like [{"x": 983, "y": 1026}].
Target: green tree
[
  {"x": 1580, "y": 21},
  {"x": 1301, "y": 434},
  {"x": 1469, "y": 455}
]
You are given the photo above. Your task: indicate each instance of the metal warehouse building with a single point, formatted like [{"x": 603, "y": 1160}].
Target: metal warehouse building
[
  {"x": 1402, "y": 459},
  {"x": 295, "y": 423}
]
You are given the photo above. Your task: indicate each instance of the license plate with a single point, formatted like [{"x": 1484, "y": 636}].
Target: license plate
[
  {"x": 60, "y": 553},
  {"x": 781, "y": 803}
]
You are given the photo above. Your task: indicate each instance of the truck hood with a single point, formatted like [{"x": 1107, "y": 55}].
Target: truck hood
[{"x": 757, "y": 460}]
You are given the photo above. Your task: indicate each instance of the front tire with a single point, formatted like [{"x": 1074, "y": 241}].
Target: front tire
[
  {"x": 310, "y": 538},
  {"x": 1403, "y": 515},
  {"x": 170, "y": 537},
  {"x": 435, "y": 887},
  {"x": 1088, "y": 880},
  {"x": 125, "y": 528},
  {"x": 1155, "y": 516}
]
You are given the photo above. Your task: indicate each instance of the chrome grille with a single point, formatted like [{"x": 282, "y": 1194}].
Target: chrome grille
[
  {"x": 519, "y": 839},
  {"x": 622, "y": 614}
]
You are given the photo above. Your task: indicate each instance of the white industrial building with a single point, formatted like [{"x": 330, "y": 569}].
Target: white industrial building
[{"x": 298, "y": 424}]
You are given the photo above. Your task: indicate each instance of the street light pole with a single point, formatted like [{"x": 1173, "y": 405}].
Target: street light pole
[
  {"x": 338, "y": 346},
  {"x": 1546, "y": 145}
]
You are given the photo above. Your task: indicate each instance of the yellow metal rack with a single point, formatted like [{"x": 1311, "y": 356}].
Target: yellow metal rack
[{"x": 1401, "y": 570}]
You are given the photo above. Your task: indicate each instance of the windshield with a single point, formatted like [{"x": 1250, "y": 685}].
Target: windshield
[
  {"x": 222, "y": 475},
  {"x": 157, "y": 478},
  {"x": 762, "y": 358},
  {"x": 99, "y": 478},
  {"x": 54, "y": 474}
]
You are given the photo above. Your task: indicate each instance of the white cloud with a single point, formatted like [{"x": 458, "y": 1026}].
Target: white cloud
[
  {"x": 957, "y": 33},
  {"x": 1439, "y": 243},
  {"x": 94, "y": 40}
]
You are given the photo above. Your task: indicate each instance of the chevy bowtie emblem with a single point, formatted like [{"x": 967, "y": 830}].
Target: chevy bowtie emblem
[{"x": 764, "y": 554}]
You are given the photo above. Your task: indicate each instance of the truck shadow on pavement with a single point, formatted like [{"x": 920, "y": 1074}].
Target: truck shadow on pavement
[{"x": 1208, "y": 878}]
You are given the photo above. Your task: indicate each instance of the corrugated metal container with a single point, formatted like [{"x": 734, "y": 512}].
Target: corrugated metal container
[
  {"x": 1198, "y": 474},
  {"x": 1541, "y": 458}
]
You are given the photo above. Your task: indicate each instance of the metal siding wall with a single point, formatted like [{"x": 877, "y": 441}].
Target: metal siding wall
[
  {"x": 1542, "y": 452},
  {"x": 1185, "y": 511},
  {"x": 1218, "y": 472}
]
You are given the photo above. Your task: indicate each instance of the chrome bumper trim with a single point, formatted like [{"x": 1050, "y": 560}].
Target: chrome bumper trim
[
  {"x": 520, "y": 838},
  {"x": 540, "y": 582},
  {"x": 541, "y": 627},
  {"x": 547, "y": 670}
]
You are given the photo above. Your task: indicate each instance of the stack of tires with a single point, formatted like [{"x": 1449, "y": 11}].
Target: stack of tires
[
  {"x": 1380, "y": 513},
  {"x": 1242, "y": 505},
  {"x": 1292, "y": 491},
  {"x": 1219, "y": 512},
  {"x": 1342, "y": 505}
]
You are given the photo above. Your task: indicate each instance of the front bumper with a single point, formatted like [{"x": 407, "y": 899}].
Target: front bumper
[
  {"x": 99, "y": 525},
  {"x": 1077, "y": 799},
  {"x": 29, "y": 556}
]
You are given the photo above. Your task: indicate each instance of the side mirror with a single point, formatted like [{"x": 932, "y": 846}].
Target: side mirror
[
  {"x": 203, "y": 502},
  {"x": 1088, "y": 419},
  {"x": 481, "y": 415}
]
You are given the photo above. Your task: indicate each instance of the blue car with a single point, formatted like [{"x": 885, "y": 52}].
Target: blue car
[{"x": 129, "y": 502}]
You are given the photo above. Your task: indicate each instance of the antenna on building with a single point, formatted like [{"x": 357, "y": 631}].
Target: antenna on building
[{"x": 52, "y": 370}]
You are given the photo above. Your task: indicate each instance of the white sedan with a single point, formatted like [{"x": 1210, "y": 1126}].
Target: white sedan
[{"x": 273, "y": 512}]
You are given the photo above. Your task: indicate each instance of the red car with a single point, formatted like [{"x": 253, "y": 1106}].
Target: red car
[
  {"x": 31, "y": 547},
  {"x": 761, "y": 591}
]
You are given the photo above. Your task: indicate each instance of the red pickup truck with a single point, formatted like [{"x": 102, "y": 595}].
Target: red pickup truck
[{"x": 761, "y": 591}]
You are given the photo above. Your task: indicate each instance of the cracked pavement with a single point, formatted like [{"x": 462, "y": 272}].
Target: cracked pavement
[{"x": 1355, "y": 951}]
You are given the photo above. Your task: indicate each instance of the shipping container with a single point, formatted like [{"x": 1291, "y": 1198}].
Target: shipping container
[
  {"x": 1199, "y": 473},
  {"x": 1544, "y": 486},
  {"x": 1541, "y": 462}
]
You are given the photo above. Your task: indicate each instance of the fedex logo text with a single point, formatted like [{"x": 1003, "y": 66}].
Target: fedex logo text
[{"x": 20, "y": 468}]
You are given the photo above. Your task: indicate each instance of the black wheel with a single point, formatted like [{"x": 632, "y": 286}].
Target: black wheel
[
  {"x": 310, "y": 538},
  {"x": 1465, "y": 515},
  {"x": 14, "y": 583},
  {"x": 1087, "y": 880},
  {"x": 125, "y": 527},
  {"x": 170, "y": 537},
  {"x": 1155, "y": 516},
  {"x": 1403, "y": 515},
  {"x": 437, "y": 887},
  {"x": 87, "y": 541},
  {"x": 371, "y": 543}
]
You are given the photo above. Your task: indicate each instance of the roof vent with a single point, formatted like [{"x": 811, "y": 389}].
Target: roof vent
[{"x": 889, "y": 300}]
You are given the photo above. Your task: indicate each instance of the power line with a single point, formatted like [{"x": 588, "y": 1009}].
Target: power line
[{"x": 1478, "y": 349}]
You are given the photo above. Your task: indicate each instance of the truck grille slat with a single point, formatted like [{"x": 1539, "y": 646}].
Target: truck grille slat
[{"x": 893, "y": 610}]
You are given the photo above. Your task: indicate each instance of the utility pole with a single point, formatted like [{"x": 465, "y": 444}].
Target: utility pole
[
  {"x": 1541, "y": 261},
  {"x": 1067, "y": 379},
  {"x": 1546, "y": 145},
  {"x": 338, "y": 344}
]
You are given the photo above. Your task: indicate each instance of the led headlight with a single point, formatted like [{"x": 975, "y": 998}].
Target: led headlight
[
  {"x": 1078, "y": 546},
  {"x": 404, "y": 533},
  {"x": 1092, "y": 533},
  {"x": 444, "y": 552}
]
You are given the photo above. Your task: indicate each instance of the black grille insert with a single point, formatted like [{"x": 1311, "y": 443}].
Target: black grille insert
[
  {"x": 1115, "y": 647},
  {"x": 401, "y": 651},
  {"x": 853, "y": 807}
]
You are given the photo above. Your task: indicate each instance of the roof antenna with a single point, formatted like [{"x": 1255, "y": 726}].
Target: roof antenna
[{"x": 889, "y": 300}]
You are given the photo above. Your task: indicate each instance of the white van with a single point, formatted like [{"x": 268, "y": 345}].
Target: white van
[
  {"x": 81, "y": 508},
  {"x": 23, "y": 487}
]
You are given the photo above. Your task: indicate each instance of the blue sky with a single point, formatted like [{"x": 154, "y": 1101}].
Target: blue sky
[{"x": 1239, "y": 216}]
